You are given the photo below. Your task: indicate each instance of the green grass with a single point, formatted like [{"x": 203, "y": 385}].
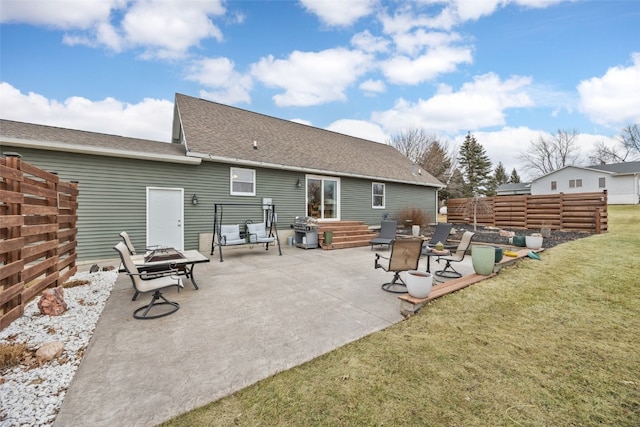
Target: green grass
[{"x": 545, "y": 343}]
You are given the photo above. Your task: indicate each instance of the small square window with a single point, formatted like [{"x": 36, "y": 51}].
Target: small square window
[
  {"x": 572, "y": 183},
  {"x": 554, "y": 185},
  {"x": 377, "y": 195},
  {"x": 243, "y": 182},
  {"x": 602, "y": 183},
  {"x": 578, "y": 183}
]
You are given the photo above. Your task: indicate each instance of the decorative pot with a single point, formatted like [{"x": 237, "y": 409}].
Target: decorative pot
[
  {"x": 418, "y": 283},
  {"x": 534, "y": 242},
  {"x": 499, "y": 254},
  {"x": 483, "y": 259},
  {"x": 415, "y": 230}
]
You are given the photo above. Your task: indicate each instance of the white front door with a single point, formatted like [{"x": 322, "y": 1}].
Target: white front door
[{"x": 165, "y": 217}]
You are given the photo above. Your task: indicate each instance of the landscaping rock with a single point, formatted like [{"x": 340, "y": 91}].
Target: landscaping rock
[
  {"x": 50, "y": 351},
  {"x": 52, "y": 302}
]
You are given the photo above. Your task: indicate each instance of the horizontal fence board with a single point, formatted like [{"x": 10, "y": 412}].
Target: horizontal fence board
[
  {"x": 11, "y": 269},
  {"x": 39, "y": 250},
  {"x": 40, "y": 285},
  {"x": 10, "y": 293},
  {"x": 10, "y": 245},
  {"x": 11, "y": 196},
  {"x": 34, "y": 271},
  {"x": 11, "y": 174},
  {"x": 39, "y": 210},
  {"x": 11, "y": 221},
  {"x": 11, "y": 315}
]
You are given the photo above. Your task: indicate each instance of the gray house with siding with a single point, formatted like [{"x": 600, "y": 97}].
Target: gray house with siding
[{"x": 164, "y": 193}]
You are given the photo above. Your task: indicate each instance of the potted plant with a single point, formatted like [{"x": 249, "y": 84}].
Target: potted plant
[
  {"x": 418, "y": 283},
  {"x": 483, "y": 259}
]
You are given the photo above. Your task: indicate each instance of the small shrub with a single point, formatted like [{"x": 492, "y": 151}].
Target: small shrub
[
  {"x": 414, "y": 215},
  {"x": 74, "y": 283},
  {"x": 11, "y": 354}
]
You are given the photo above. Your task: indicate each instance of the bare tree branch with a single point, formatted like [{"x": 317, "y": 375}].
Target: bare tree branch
[{"x": 548, "y": 154}]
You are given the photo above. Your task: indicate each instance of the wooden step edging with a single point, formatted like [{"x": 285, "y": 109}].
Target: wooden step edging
[{"x": 410, "y": 305}]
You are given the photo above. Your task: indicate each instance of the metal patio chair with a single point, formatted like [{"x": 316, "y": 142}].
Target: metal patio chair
[
  {"x": 405, "y": 255},
  {"x": 387, "y": 234}
]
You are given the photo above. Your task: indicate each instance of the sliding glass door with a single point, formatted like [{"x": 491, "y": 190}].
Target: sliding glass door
[{"x": 323, "y": 197}]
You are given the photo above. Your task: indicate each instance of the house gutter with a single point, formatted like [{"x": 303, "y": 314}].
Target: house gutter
[
  {"x": 99, "y": 151},
  {"x": 236, "y": 161}
]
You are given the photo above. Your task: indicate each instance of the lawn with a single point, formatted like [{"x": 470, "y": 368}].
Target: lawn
[{"x": 550, "y": 342}]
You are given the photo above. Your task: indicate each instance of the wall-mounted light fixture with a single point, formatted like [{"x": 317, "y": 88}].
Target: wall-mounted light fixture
[
  {"x": 194, "y": 200},
  {"x": 298, "y": 183},
  {"x": 255, "y": 145}
]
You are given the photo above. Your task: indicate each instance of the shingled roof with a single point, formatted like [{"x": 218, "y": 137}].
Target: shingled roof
[
  {"x": 222, "y": 133},
  {"x": 20, "y": 134},
  {"x": 620, "y": 168}
]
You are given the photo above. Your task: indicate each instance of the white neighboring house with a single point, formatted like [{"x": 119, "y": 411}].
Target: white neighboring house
[{"x": 621, "y": 180}]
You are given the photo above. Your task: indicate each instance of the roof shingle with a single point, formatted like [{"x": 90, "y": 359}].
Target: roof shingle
[{"x": 221, "y": 131}]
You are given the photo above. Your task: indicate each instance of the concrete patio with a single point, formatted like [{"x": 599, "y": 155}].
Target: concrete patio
[{"x": 255, "y": 314}]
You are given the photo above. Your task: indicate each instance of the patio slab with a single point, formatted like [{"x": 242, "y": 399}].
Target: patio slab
[{"x": 255, "y": 314}]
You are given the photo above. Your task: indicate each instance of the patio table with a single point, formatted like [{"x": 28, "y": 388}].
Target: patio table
[{"x": 184, "y": 263}]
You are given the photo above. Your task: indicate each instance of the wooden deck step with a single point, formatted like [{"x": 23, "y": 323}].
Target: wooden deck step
[{"x": 346, "y": 234}]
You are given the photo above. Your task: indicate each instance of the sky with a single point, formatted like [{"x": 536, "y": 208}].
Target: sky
[{"x": 508, "y": 71}]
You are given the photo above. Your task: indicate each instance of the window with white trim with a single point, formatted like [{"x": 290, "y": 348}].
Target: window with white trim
[
  {"x": 242, "y": 182},
  {"x": 377, "y": 195},
  {"x": 554, "y": 185},
  {"x": 602, "y": 182}
]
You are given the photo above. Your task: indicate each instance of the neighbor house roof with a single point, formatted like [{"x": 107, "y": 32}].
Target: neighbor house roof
[
  {"x": 622, "y": 168},
  {"x": 29, "y": 135},
  {"x": 514, "y": 188},
  {"x": 222, "y": 133}
]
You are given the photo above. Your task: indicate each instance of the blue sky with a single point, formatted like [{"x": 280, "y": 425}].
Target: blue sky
[{"x": 509, "y": 71}]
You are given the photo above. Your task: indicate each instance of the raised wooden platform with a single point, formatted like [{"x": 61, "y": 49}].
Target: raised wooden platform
[{"x": 410, "y": 305}]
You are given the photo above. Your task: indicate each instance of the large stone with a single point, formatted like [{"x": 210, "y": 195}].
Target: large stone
[
  {"x": 52, "y": 302},
  {"x": 50, "y": 350}
]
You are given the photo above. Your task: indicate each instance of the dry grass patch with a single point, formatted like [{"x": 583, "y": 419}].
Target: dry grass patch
[
  {"x": 550, "y": 342},
  {"x": 11, "y": 354}
]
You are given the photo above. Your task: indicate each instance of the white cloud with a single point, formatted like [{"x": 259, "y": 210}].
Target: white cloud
[
  {"x": 373, "y": 86},
  {"x": 148, "y": 119},
  {"x": 406, "y": 70},
  {"x": 613, "y": 99},
  {"x": 339, "y": 13},
  {"x": 312, "y": 78},
  {"x": 228, "y": 86},
  {"x": 477, "y": 104},
  {"x": 367, "y": 42},
  {"x": 64, "y": 14},
  {"x": 359, "y": 129},
  {"x": 167, "y": 29},
  {"x": 162, "y": 28}
]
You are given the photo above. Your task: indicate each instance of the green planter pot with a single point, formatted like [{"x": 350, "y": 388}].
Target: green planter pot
[
  {"x": 328, "y": 237},
  {"x": 483, "y": 259}
]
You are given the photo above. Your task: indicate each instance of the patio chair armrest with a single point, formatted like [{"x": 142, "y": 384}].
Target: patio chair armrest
[{"x": 375, "y": 262}]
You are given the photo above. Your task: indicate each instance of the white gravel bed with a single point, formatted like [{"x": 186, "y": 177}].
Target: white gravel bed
[{"x": 33, "y": 396}]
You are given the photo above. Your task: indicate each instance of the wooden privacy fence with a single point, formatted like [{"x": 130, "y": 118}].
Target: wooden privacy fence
[
  {"x": 577, "y": 211},
  {"x": 38, "y": 216}
]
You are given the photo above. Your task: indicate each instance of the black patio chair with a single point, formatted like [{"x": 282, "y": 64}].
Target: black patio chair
[{"x": 387, "y": 234}]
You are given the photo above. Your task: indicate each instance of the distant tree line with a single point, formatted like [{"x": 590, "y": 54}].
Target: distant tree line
[{"x": 467, "y": 171}]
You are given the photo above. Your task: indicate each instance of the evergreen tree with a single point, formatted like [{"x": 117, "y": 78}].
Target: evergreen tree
[
  {"x": 476, "y": 167},
  {"x": 515, "y": 178},
  {"x": 455, "y": 188},
  {"x": 438, "y": 163},
  {"x": 499, "y": 177}
]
